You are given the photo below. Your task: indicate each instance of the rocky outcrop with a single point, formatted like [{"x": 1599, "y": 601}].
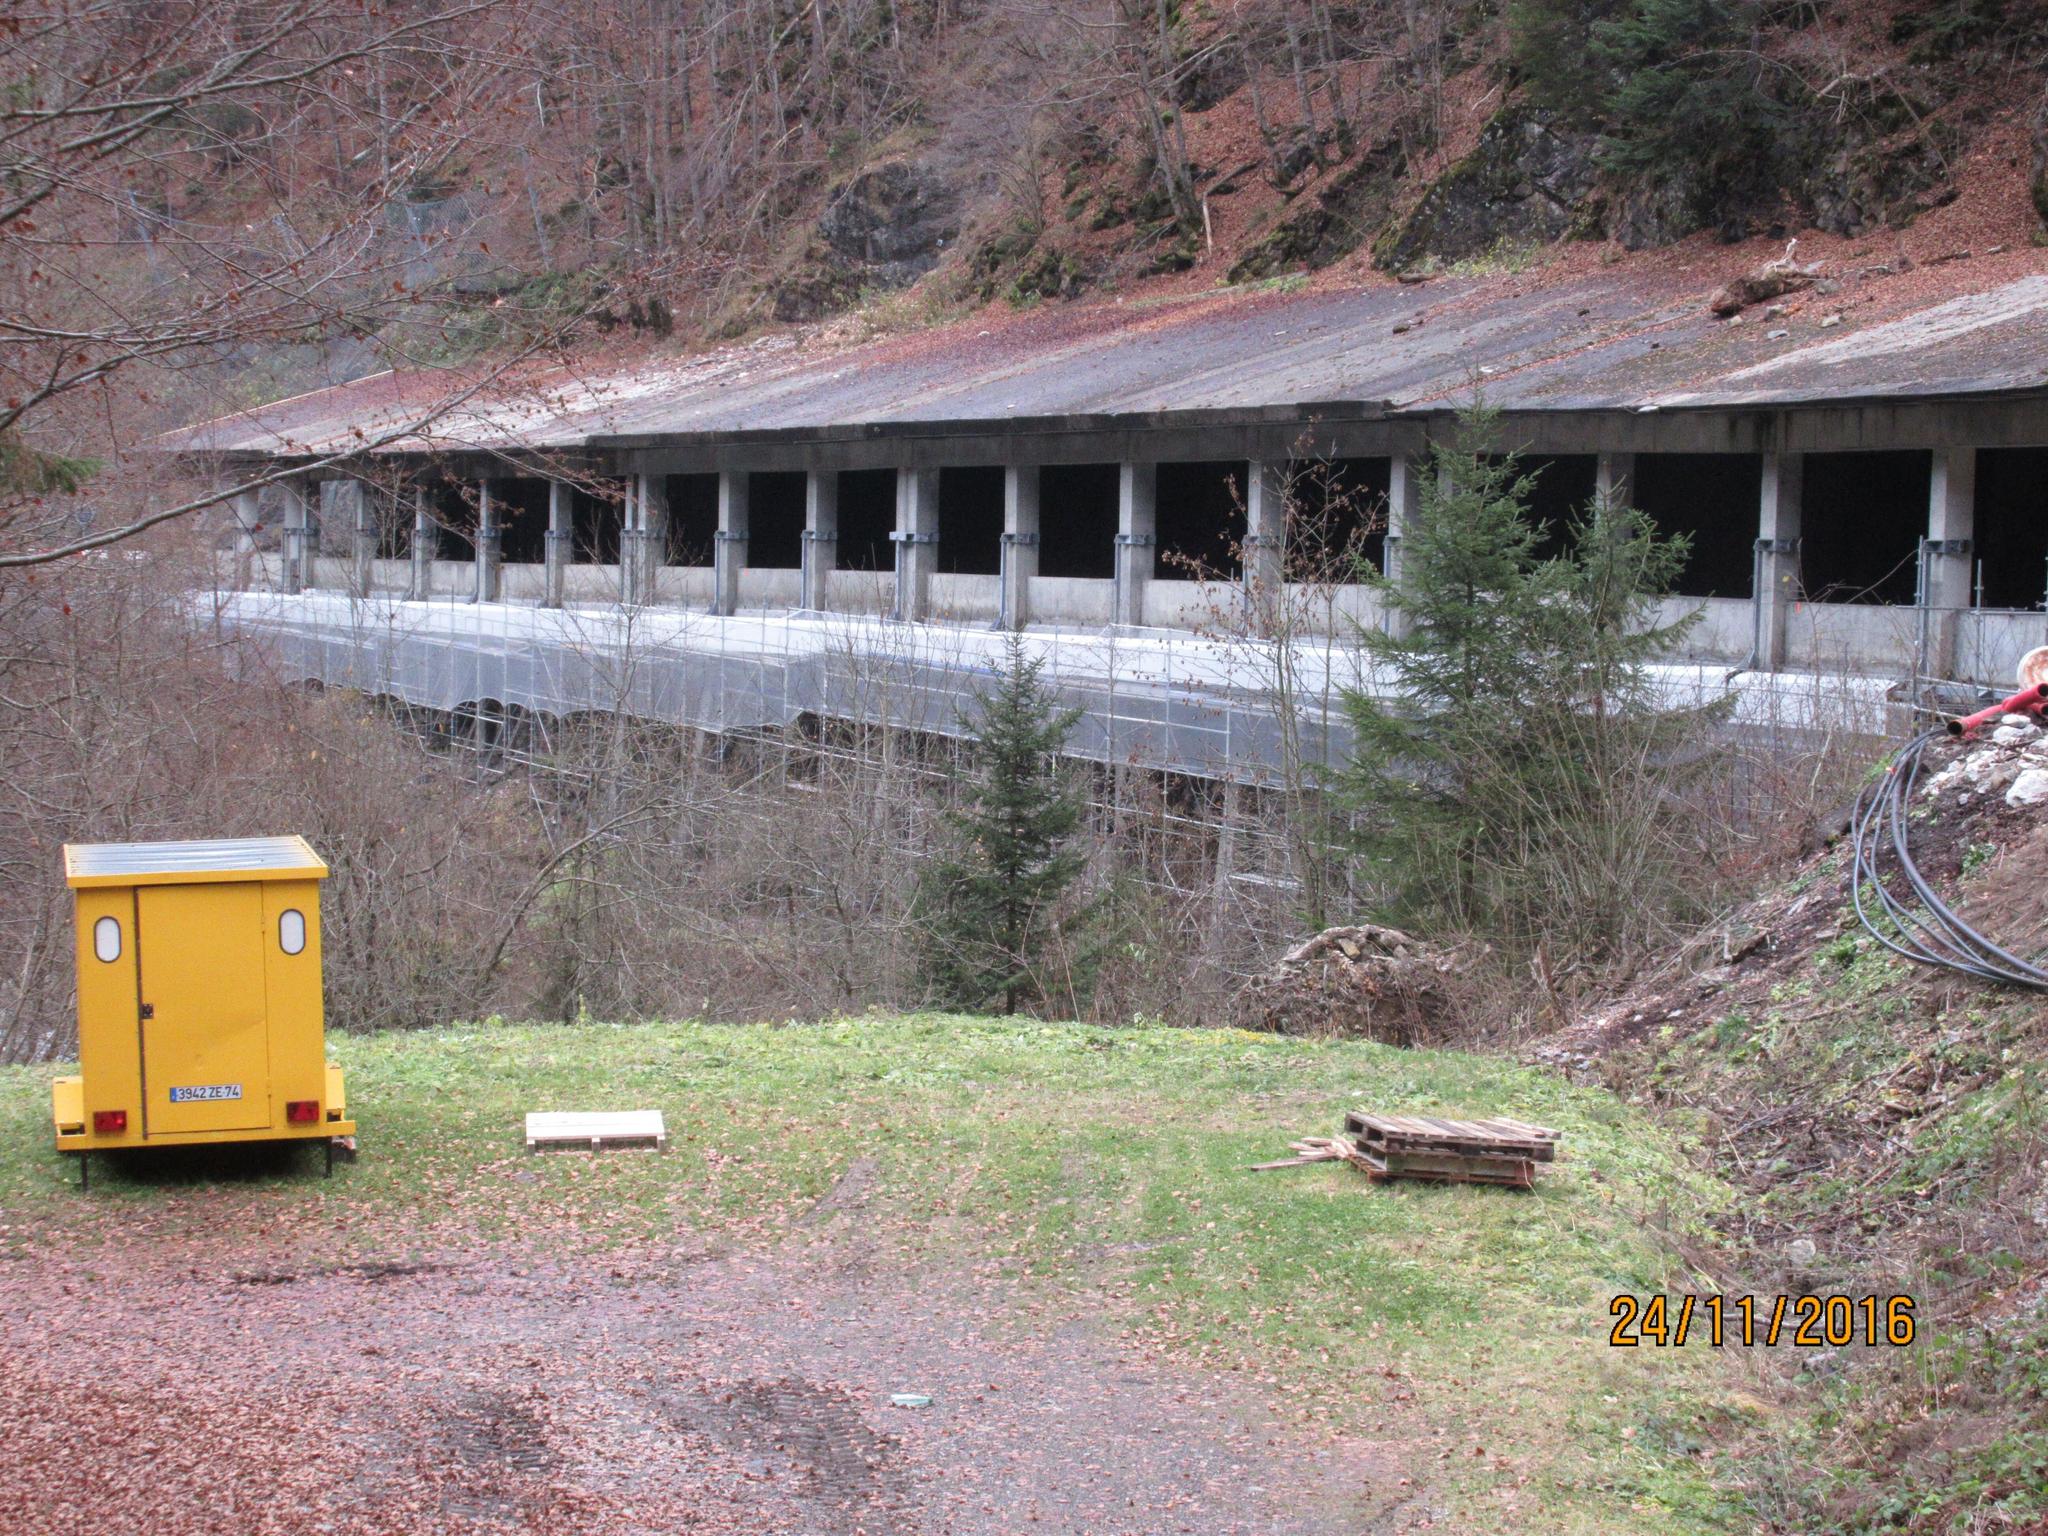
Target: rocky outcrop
[
  {"x": 2039, "y": 184},
  {"x": 1530, "y": 181},
  {"x": 1340, "y": 216},
  {"x": 1883, "y": 183},
  {"x": 884, "y": 229}
]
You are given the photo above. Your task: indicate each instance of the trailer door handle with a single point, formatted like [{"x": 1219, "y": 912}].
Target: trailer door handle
[{"x": 149, "y": 1010}]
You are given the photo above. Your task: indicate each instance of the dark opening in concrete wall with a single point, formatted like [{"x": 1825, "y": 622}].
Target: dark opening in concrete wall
[
  {"x": 1201, "y": 520},
  {"x": 1077, "y": 520},
  {"x": 971, "y": 521},
  {"x": 867, "y": 516},
  {"x": 2011, "y": 530},
  {"x": 393, "y": 512},
  {"x": 520, "y": 507},
  {"x": 1559, "y": 492},
  {"x": 1712, "y": 499},
  {"x": 451, "y": 509},
  {"x": 1862, "y": 519},
  {"x": 692, "y": 519},
  {"x": 775, "y": 520},
  {"x": 597, "y": 513},
  {"x": 1337, "y": 518}
]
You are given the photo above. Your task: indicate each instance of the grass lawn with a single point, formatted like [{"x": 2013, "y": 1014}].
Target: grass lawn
[{"x": 1105, "y": 1167}]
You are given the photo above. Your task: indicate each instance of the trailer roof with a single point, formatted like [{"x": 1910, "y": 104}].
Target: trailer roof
[{"x": 191, "y": 863}]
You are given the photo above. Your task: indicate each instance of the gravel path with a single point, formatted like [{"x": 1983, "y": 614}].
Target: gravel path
[{"x": 206, "y": 1386}]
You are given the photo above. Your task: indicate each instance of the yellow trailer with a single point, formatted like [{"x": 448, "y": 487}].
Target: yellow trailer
[{"x": 199, "y": 1004}]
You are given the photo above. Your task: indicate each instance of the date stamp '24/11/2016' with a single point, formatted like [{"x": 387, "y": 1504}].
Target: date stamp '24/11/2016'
[{"x": 1804, "y": 1322}]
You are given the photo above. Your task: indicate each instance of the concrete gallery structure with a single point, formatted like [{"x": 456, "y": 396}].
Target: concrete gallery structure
[{"x": 1864, "y": 487}]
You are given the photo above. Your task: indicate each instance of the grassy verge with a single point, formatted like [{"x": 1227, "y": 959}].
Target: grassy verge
[{"x": 1466, "y": 1325}]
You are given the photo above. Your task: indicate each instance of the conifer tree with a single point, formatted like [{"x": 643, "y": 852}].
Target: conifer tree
[
  {"x": 1512, "y": 770},
  {"x": 995, "y": 907}
]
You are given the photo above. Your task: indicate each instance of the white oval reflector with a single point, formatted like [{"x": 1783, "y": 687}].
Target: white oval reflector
[
  {"x": 291, "y": 931},
  {"x": 106, "y": 939}
]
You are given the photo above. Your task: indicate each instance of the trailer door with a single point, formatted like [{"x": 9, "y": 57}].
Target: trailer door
[{"x": 205, "y": 1032}]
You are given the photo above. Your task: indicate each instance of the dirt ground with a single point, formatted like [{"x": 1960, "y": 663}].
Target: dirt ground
[{"x": 191, "y": 1382}]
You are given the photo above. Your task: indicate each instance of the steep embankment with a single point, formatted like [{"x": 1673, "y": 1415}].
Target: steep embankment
[{"x": 1887, "y": 1124}]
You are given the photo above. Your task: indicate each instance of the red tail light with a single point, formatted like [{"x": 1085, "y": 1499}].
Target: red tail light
[
  {"x": 109, "y": 1122},
  {"x": 302, "y": 1111}
]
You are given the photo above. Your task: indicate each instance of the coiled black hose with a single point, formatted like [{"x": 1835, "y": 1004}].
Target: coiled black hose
[{"x": 1918, "y": 924}]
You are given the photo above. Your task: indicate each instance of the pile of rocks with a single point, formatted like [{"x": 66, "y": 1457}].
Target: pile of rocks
[
  {"x": 2012, "y": 760},
  {"x": 1360, "y": 982}
]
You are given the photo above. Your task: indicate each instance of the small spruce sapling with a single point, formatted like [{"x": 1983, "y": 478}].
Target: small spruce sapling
[{"x": 998, "y": 922}]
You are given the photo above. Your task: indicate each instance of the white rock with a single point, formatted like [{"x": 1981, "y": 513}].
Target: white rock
[
  {"x": 1801, "y": 1251},
  {"x": 2015, "y": 719},
  {"x": 2030, "y": 788},
  {"x": 1977, "y": 764},
  {"x": 2013, "y": 735}
]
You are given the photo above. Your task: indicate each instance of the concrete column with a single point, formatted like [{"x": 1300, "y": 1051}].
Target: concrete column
[
  {"x": 248, "y": 514},
  {"x": 650, "y": 500},
  {"x": 729, "y": 557},
  {"x": 1404, "y": 504},
  {"x": 426, "y": 542},
  {"x": 1020, "y": 545},
  {"x": 1777, "y": 564},
  {"x": 559, "y": 549},
  {"x": 1137, "y": 538},
  {"x": 821, "y": 538},
  {"x": 1951, "y": 545},
  {"x": 917, "y": 541},
  {"x": 489, "y": 544},
  {"x": 1265, "y": 530},
  {"x": 300, "y": 538},
  {"x": 1614, "y": 478},
  {"x": 348, "y": 505},
  {"x": 363, "y": 527}
]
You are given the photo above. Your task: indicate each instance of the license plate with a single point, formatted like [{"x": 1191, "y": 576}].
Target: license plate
[{"x": 206, "y": 1093}]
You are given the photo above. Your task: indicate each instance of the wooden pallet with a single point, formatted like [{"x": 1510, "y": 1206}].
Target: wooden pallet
[
  {"x": 1496, "y": 1137},
  {"x": 1495, "y": 1151},
  {"x": 617, "y": 1128},
  {"x": 1447, "y": 1168}
]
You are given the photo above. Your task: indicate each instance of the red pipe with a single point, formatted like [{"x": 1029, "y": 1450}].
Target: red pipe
[{"x": 2028, "y": 701}]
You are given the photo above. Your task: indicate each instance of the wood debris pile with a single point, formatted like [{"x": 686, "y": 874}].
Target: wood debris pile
[
  {"x": 1491, "y": 1151},
  {"x": 1361, "y": 982}
]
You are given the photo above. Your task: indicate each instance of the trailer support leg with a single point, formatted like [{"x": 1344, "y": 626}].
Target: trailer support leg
[
  {"x": 84, "y": 1171},
  {"x": 330, "y": 1157}
]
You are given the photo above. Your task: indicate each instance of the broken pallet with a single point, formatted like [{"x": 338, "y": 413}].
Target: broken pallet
[{"x": 1492, "y": 1151}]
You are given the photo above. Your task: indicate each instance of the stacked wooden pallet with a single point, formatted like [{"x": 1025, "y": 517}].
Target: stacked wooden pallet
[{"x": 1493, "y": 1151}]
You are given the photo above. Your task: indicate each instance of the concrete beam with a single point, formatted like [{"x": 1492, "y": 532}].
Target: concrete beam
[
  {"x": 1777, "y": 565},
  {"x": 1020, "y": 545},
  {"x": 490, "y": 542},
  {"x": 559, "y": 551},
  {"x": 916, "y": 537},
  {"x": 821, "y": 538},
  {"x": 1137, "y": 538},
  {"x": 1951, "y": 547},
  {"x": 729, "y": 553}
]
